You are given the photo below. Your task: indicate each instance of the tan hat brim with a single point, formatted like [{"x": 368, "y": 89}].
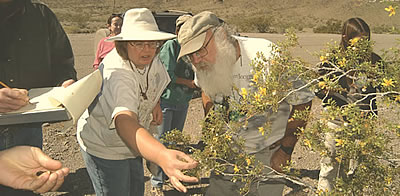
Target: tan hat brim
[
  {"x": 192, "y": 45},
  {"x": 142, "y": 36}
]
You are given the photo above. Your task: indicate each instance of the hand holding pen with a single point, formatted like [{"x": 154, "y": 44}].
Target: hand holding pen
[{"x": 12, "y": 98}]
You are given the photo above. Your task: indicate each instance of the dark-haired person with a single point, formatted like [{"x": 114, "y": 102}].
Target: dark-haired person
[
  {"x": 114, "y": 24},
  {"x": 353, "y": 29},
  {"x": 114, "y": 136},
  {"x": 34, "y": 52}
]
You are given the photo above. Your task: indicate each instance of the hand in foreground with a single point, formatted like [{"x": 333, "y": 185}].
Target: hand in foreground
[
  {"x": 12, "y": 99},
  {"x": 66, "y": 83},
  {"x": 19, "y": 166},
  {"x": 279, "y": 159},
  {"x": 172, "y": 162}
]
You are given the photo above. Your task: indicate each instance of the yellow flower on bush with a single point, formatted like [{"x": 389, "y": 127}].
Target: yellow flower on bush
[
  {"x": 263, "y": 91},
  {"x": 255, "y": 78},
  {"x": 272, "y": 61},
  {"x": 257, "y": 97},
  {"x": 338, "y": 159},
  {"x": 307, "y": 143},
  {"x": 261, "y": 130},
  {"x": 248, "y": 161},
  {"x": 397, "y": 98},
  {"x": 354, "y": 41},
  {"x": 243, "y": 93},
  {"x": 322, "y": 84},
  {"x": 364, "y": 89},
  {"x": 322, "y": 192},
  {"x": 323, "y": 59},
  {"x": 339, "y": 142},
  {"x": 388, "y": 83},
  {"x": 388, "y": 180},
  {"x": 342, "y": 63},
  {"x": 236, "y": 169},
  {"x": 391, "y": 10}
]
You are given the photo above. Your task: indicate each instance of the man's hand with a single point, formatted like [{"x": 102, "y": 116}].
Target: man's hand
[
  {"x": 186, "y": 82},
  {"x": 12, "y": 99},
  {"x": 66, "y": 83},
  {"x": 279, "y": 160},
  {"x": 172, "y": 162},
  {"x": 157, "y": 115},
  {"x": 20, "y": 165},
  {"x": 207, "y": 103}
]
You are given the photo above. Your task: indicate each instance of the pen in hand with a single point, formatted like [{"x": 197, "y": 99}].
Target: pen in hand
[{"x": 4, "y": 85}]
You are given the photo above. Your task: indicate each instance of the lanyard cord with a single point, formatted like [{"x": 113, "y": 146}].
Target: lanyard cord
[{"x": 143, "y": 93}]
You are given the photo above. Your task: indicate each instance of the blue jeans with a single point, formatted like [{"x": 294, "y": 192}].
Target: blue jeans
[
  {"x": 115, "y": 177},
  {"x": 21, "y": 135},
  {"x": 174, "y": 117}
]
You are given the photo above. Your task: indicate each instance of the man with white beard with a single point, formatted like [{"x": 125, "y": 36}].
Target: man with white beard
[{"x": 221, "y": 61}]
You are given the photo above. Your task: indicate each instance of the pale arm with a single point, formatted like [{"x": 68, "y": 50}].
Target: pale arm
[{"x": 139, "y": 139}]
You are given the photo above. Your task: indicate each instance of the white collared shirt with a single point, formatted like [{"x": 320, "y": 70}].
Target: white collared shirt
[{"x": 120, "y": 92}]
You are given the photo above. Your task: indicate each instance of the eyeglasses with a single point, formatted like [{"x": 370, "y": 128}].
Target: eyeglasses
[
  {"x": 141, "y": 45},
  {"x": 202, "y": 52}
]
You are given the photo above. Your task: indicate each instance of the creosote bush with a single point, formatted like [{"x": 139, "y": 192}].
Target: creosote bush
[{"x": 364, "y": 136}]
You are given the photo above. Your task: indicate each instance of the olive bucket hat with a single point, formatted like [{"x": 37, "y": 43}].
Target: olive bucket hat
[{"x": 193, "y": 32}]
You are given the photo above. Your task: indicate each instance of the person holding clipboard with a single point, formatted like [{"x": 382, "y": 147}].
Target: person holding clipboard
[{"x": 35, "y": 52}]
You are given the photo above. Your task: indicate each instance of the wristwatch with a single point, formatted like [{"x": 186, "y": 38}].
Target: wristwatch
[{"x": 287, "y": 149}]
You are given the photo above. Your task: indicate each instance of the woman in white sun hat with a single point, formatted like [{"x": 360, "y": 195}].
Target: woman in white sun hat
[{"x": 114, "y": 136}]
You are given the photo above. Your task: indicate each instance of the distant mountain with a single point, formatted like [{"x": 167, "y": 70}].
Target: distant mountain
[{"x": 246, "y": 15}]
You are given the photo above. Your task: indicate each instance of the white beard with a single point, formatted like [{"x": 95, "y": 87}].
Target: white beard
[{"x": 218, "y": 80}]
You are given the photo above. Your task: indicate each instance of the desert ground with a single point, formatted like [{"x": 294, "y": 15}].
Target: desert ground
[{"x": 61, "y": 144}]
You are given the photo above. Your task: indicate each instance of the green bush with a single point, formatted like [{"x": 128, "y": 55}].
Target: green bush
[
  {"x": 385, "y": 29},
  {"x": 259, "y": 24},
  {"x": 331, "y": 26}
]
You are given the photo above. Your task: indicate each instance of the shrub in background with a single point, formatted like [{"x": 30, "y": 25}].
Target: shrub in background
[{"x": 331, "y": 26}]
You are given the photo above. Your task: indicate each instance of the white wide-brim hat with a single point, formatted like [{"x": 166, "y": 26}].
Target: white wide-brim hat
[{"x": 139, "y": 25}]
